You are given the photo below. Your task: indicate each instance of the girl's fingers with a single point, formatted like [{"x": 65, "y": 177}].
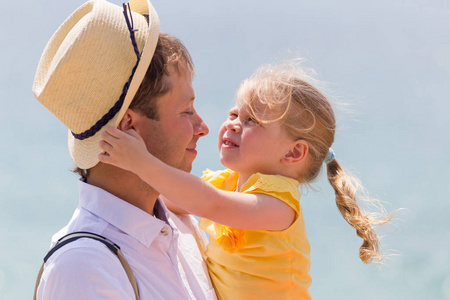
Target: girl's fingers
[
  {"x": 133, "y": 133},
  {"x": 112, "y": 134},
  {"x": 105, "y": 158},
  {"x": 113, "y": 131},
  {"x": 105, "y": 146},
  {"x": 107, "y": 141}
]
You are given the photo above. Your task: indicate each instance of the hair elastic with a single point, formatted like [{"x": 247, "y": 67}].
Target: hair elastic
[{"x": 330, "y": 156}]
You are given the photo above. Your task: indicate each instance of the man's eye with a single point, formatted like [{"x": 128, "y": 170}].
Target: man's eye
[{"x": 189, "y": 112}]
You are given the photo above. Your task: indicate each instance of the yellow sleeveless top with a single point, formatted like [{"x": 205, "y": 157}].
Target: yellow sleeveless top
[{"x": 259, "y": 264}]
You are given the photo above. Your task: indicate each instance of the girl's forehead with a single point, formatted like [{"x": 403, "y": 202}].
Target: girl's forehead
[
  {"x": 240, "y": 107},
  {"x": 249, "y": 103},
  {"x": 243, "y": 109}
]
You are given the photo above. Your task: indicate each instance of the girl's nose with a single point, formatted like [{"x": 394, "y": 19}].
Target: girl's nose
[{"x": 234, "y": 125}]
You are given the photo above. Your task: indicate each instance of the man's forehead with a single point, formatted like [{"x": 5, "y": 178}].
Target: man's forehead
[
  {"x": 180, "y": 86},
  {"x": 180, "y": 68}
]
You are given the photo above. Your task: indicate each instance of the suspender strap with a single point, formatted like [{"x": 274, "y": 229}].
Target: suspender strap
[{"x": 111, "y": 246}]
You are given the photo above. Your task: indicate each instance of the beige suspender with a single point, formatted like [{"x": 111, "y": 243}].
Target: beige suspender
[{"x": 113, "y": 247}]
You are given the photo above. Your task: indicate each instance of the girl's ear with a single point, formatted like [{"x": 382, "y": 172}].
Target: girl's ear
[
  {"x": 297, "y": 153},
  {"x": 127, "y": 120}
]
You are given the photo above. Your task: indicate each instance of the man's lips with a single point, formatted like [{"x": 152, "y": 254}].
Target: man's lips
[{"x": 192, "y": 150}]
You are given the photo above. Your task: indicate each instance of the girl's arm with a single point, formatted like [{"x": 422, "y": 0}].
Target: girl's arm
[
  {"x": 173, "y": 207},
  {"x": 246, "y": 211}
]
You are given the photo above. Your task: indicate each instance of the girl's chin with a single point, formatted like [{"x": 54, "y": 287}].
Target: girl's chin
[{"x": 226, "y": 163}]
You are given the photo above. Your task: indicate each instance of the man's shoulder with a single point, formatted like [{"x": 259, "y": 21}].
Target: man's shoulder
[
  {"x": 84, "y": 268},
  {"x": 81, "y": 254}
]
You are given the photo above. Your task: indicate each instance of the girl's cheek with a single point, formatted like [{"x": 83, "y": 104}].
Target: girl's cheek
[
  {"x": 219, "y": 138},
  {"x": 221, "y": 133}
]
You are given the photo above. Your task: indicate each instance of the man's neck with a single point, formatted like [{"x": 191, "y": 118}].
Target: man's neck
[{"x": 124, "y": 185}]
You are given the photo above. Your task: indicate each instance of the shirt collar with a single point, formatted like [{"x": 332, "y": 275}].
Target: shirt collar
[{"x": 122, "y": 215}]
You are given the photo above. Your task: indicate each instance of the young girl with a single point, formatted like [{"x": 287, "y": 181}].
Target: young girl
[{"x": 275, "y": 138}]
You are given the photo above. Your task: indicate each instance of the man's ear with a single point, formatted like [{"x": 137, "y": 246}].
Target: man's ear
[
  {"x": 297, "y": 153},
  {"x": 128, "y": 120}
]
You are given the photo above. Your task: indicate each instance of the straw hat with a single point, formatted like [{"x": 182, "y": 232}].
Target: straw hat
[{"x": 90, "y": 70}]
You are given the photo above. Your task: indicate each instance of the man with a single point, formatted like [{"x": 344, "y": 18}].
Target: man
[{"x": 108, "y": 65}]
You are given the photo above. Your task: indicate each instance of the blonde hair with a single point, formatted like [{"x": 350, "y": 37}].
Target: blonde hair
[{"x": 284, "y": 93}]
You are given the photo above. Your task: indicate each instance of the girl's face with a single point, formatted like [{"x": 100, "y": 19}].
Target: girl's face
[{"x": 248, "y": 147}]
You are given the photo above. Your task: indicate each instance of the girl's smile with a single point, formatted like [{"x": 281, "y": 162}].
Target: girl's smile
[{"x": 228, "y": 143}]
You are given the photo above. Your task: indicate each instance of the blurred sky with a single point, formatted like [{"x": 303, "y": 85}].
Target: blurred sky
[{"x": 388, "y": 59}]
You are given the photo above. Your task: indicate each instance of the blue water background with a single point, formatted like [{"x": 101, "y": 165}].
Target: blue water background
[{"x": 388, "y": 60}]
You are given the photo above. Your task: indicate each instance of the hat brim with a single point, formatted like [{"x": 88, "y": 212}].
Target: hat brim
[{"x": 84, "y": 153}]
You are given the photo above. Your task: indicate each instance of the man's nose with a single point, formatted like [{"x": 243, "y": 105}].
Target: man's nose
[{"x": 200, "y": 127}]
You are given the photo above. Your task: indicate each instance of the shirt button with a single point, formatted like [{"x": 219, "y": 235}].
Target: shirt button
[{"x": 164, "y": 231}]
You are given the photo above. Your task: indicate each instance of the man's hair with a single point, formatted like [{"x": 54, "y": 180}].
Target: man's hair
[{"x": 169, "y": 51}]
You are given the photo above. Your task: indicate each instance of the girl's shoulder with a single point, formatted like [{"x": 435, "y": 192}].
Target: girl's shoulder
[
  {"x": 222, "y": 179},
  {"x": 281, "y": 187},
  {"x": 271, "y": 182}
]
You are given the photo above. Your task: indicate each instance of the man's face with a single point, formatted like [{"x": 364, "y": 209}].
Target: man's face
[{"x": 174, "y": 136}]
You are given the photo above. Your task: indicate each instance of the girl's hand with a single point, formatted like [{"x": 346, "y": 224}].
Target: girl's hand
[{"x": 123, "y": 149}]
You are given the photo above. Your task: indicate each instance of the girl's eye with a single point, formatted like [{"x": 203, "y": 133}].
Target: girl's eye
[
  {"x": 249, "y": 119},
  {"x": 233, "y": 116}
]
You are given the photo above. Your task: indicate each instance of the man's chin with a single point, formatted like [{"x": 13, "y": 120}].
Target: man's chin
[{"x": 187, "y": 169}]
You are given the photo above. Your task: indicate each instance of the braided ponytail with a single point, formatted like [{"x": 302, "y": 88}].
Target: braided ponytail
[{"x": 346, "y": 189}]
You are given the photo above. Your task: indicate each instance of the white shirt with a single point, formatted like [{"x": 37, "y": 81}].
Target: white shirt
[{"x": 163, "y": 254}]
